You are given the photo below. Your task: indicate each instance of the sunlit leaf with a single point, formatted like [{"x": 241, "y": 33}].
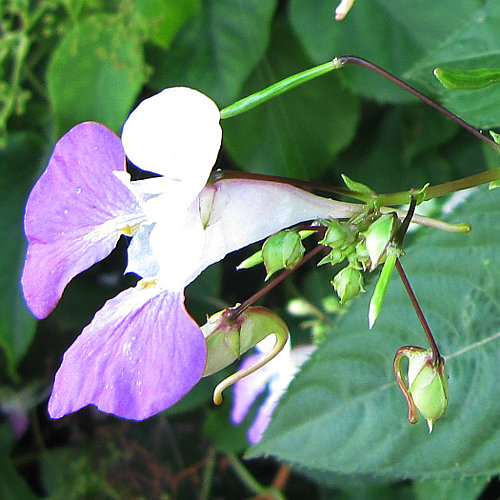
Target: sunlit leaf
[{"x": 102, "y": 57}]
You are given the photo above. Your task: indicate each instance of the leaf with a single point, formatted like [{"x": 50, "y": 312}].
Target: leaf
[
  {"x": 394, "y": 35},
  {"x": 216, "y": 51},
  {"x": 298, "y": 133},
  {"x": 162, "y": 20},
  {"x": 344, "y": 413},
  {"x": 103, "y": 57},
  {"x": 474, "y": 46},
  {"x": 451, "y": 489},
  {"x": 18, "y": 162}
]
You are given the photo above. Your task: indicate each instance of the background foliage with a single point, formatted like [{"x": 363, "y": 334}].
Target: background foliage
[{"x": 341, "y": 429}]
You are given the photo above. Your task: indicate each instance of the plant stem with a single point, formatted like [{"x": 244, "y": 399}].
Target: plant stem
[
  {"x": 445, "y": 188},
  {"x": 278, "y": 88},
  {"x": 276, "y": 281},
  {"x": 405, "y": 86},
  {"x": 436, "y": 356}
]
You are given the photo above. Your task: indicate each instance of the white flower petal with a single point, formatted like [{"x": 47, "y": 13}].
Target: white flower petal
[{"x": 176, "y": 134}]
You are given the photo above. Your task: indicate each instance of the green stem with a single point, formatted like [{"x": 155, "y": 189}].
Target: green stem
[
  {"x": 443, "y": 189},
  {"x": 278, "y": 88},
  {"x": 208, "y": 474},
  {"x": 245, "y": 477},
  {"x": 276, "y": 281}
]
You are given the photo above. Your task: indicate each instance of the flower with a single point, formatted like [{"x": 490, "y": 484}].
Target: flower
[
  {"x": 276, "y": 375},
  {"x": 142, "y": 351}
]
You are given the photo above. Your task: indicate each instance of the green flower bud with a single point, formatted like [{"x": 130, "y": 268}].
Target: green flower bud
[
  {"x": 282, "y": 250},
  {"x": 348, "y": 283},
  {"x": 378, "y": 236},
  {"x": 427, "y": 387},
  {"x": 334, "y": 257},
  {"x": 338, "y": 235}
]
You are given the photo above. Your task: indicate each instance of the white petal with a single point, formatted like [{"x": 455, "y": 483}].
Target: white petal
[
  {"x": 245, "y": 211},
  {"x": 177, "y": 134}
]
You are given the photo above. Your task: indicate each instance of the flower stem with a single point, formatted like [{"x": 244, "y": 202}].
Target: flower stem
[
  {"x": 343, "y": 60},
  {"x": 276, "y": 281},
  {"x": 436, "y": 356},
  {"x": 445, "y": 188},
  {"x": 278, "y": 88}
]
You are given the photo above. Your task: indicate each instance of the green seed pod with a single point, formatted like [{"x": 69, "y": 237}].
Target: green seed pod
[
  {"x": 427, "y": 388},
  {"x": 228, "y": 338}
]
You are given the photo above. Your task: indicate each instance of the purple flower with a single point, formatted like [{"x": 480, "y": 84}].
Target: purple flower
[
  {"x": 142, "y": 351},
  {"x": 276, "y": 376}
]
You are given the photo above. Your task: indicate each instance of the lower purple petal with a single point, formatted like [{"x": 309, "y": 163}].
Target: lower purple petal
[
  {"x": 140, "y": 355},
  {"x": 70, "y": 213}
]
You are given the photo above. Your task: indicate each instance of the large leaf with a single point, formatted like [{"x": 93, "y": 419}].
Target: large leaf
[
  {"x": 103, "y": 57},
  {"x": 392, "y": 34},
  {"x": 216, "y": 51},
  {"x": 162, "y": 20},
  {"x": 18, "y": 162},
  {"x": 299, "y": 133},
  {"x": 472, "y": 47},
  {"x": 344, "y": 412}
]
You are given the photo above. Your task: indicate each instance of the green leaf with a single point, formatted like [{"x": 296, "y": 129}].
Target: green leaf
[
  {"x": 474, "y": 46},
  {"x": 298, "y": 133},
  {"x": 451, "y": 489},
  {"x": 162, "y": 20},
  {"x": 344, "y": 411},
  {"x": 19, "y": 161},
  {"x": 216, "y": 51},
  {"x": 462, "y": 79},
  {"x": 103, "y": 57},
  {"x": 392, "y": 34}
]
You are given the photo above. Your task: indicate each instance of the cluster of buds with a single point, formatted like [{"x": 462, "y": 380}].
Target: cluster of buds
[{"x": 364, "y": 243}]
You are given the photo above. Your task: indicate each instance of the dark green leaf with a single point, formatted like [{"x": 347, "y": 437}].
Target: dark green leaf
[
  {"x": 18, "y": 165},
  {"x": 392, "y": 34},
  {"x": 449, "y": 489},
  {"x": 216, "y": 51},
  {"x": 474, "y": 46},
  {"x": 344, "y": 412},
  {"x": 296, "y": 134}
]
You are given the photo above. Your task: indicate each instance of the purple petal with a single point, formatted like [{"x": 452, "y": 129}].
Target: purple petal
[
  {"x": 69, "y": 210},
  {"x": 247, "y": 390},
  {"x": 141, "y": 354},
  {"x": 263, "y": 417}
]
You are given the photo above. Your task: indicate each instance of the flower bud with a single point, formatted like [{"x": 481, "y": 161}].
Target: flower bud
[
  {"x": 282, "y": 250},
  {"x": 427, "y": 388},
  {"x": 378, "y": 236},
  {"x": 348, "y": 283}
]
